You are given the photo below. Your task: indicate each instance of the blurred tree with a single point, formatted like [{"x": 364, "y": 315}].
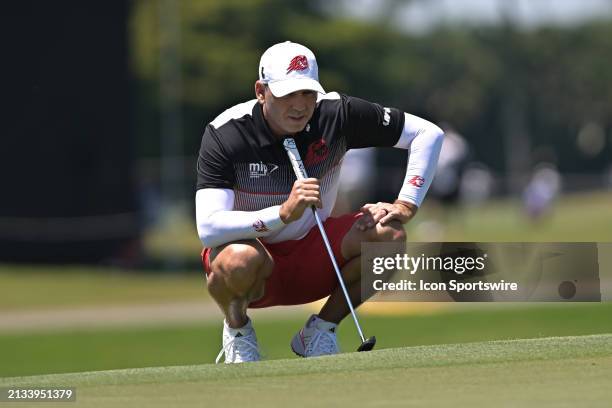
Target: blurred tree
[{"x": 486, "y": 81}]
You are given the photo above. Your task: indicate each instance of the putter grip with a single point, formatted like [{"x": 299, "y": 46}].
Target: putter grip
[{"x": 294, "y": 157}]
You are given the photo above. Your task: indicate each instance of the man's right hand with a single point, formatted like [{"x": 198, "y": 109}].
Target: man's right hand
[{"x": 305, "y": 192}]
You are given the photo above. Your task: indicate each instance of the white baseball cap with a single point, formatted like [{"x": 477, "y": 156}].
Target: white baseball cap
[{"x": 288, "y": 67}]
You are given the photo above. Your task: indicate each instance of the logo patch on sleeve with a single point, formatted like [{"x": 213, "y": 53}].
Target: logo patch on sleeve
[
  {"x": 387, "y": 117},
  {"x": 260, "y": 226},
  {"x": 417, "y": 181}
]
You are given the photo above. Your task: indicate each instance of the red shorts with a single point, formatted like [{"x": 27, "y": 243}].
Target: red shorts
[{"x": 302, "y": 270}]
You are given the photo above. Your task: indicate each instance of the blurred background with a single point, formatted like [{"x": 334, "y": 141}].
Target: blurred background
[{"x": 105, "y": 104}]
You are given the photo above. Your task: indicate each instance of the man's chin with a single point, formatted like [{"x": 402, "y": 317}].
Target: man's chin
[{"x": 294, "y": 129}]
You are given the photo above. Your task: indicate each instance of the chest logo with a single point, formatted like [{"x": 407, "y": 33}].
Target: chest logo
[
  {"x": 317, "y": 152},
  {"x": 257, "y": 170}
]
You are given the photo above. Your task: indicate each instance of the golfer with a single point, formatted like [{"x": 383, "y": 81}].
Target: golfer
[{"x": 261, "y": 247}]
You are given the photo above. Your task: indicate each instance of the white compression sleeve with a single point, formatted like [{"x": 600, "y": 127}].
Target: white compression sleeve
[
  {"x": 423, "y": 140},
  {"x": 218, "y": 224}
]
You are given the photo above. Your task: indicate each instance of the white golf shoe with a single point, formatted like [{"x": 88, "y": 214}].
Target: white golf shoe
[
  {"x": 316, "y": 338},
  {"x": 239, "y": 345}
]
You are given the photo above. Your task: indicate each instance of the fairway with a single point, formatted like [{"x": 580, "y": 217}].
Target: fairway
[{"x": 554, "y": 371}]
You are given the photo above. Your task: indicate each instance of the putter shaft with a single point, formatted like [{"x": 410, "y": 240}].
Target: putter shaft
[
  {"x": 337, "y": 269},
  {"x": 300, "y": 173}
]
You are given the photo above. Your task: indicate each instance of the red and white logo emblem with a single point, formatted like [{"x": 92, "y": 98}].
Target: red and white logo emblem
[
  {"x": 317, "y": 152},
  {"x": 417, "y": 181},
  {"x": 260, "y": 226},
  {"x": 298, "y": 63}
]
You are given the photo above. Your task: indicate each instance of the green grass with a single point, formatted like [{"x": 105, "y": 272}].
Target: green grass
[
  {"x": 34, "y": 287},
  {"x": 110, "y": 348},
  {"x": 574, "y": 218},
  {"x": 549, "y": 372}
]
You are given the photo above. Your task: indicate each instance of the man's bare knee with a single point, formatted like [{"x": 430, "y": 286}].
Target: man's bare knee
[{"x": 239, "y": 265}]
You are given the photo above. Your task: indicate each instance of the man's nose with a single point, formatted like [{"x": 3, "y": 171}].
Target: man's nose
[{"x": 299, "y": 102}]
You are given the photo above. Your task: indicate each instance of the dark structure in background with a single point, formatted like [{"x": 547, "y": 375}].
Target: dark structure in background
[{"x": 66, "y": 181}]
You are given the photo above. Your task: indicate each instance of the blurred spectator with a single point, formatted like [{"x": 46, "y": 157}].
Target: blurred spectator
[
  {"x": 453, "y": 158},
  {"x": 591, "y": 139},
  {"x": 357, "y": 175},
  {"x": 476, "y": 184},
  {"x": 541, "y": 191}
]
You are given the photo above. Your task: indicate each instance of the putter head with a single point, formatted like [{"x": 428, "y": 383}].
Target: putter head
[{"x": 368, "y": 344}]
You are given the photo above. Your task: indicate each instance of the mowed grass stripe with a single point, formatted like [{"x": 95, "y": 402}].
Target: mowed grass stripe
[
  {"x": 24, "y": 287},
  {"x": 118, "y": 348},
  {"x": 552, "y": 383},
  {"x": 451, "y": 355}
]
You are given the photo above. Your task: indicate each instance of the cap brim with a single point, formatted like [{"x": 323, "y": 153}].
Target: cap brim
[{"x": 282, "y": 88}]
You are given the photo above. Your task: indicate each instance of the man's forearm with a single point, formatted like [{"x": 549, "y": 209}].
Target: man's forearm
[
  {"x": 217, "y": 224},
  {"x": 424, "y": 142}
]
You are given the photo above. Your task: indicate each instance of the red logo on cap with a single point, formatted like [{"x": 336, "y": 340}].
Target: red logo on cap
[{"x": 298, "y": 63}]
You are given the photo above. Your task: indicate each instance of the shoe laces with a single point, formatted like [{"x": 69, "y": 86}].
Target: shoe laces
[
  {"x": 324, "y": 342},
  {"x": 244, "y": 347}
]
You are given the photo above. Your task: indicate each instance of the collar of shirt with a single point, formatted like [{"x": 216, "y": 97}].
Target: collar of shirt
[{"x": 263, "y": 134}]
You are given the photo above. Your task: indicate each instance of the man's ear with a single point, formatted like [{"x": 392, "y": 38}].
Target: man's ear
[{"x": 260, "y": 91}]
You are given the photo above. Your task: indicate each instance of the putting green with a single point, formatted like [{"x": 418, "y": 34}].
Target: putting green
[{"x": 554, "y": 371}]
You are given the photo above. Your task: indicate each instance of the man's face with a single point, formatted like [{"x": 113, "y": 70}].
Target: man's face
[{"x": 289, "y": 114}]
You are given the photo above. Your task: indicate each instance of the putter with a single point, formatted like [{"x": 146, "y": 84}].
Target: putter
[{"x": 300, "y": 173}]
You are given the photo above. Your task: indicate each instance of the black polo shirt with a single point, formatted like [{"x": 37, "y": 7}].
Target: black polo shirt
[{"x": 239, "y": 151}]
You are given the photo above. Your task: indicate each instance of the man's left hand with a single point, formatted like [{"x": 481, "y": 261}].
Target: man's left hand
[{"x": 383, "y": 213}]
